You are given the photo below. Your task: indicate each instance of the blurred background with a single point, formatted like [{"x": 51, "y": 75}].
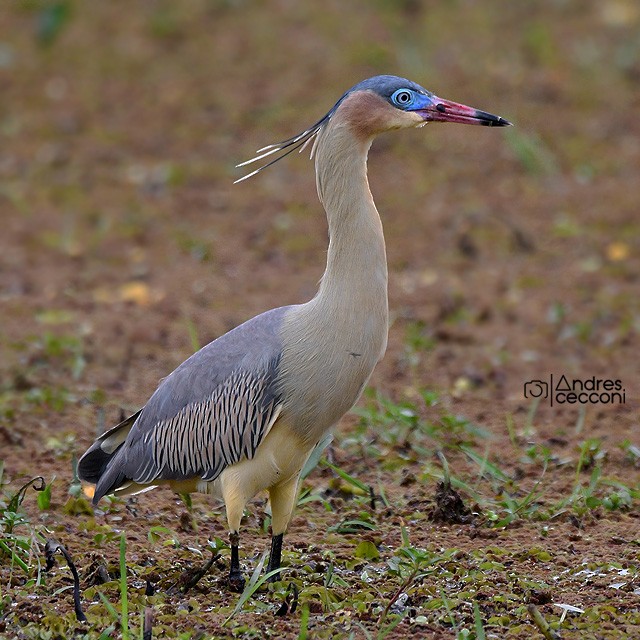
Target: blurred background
[
  {"x": 513, "y": 254},
  {"x": 123, "y": 238}
]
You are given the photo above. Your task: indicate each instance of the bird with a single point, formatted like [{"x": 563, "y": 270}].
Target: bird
[{"x": 243, "y": 414}]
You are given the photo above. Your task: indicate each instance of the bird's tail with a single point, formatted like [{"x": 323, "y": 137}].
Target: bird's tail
[{"x": 93, "y": 464}]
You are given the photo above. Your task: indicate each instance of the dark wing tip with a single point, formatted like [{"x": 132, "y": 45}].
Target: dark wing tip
[
  {"x": 93, "y": 464},
  {"x": 108, "y": 483}
]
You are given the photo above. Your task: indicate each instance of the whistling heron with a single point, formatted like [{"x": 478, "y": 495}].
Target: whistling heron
[{"x": 244, "y": 413}]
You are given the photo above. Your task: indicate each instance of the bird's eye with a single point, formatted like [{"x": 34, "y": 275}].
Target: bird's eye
[{"x": 402, "y": 98}]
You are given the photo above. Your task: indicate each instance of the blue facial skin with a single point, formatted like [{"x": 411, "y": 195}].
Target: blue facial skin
[
  {"x": 391, "y": 88},
  {"x": 386, "y": 86},
  {"x": 410, "y": 96},
  {"x": 396, "y": 90},
  {"x": 410, "y": 100}
]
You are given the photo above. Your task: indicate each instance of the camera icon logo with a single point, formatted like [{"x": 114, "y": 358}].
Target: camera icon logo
[{"x": 536, "y": 389}]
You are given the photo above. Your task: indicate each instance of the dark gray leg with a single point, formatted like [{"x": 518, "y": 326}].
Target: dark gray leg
[
  {"x": 236, "y": 579},
  {"x": 275, "y": 556}
]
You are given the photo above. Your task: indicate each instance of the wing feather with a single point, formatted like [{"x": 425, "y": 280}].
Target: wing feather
[
  {"x": 203, "y": 438},
  {"x": 211, "y": 412}
]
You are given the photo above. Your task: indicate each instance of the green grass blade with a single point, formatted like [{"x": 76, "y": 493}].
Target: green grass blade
[
  {"x": 14, "y": 556},
  {"x": 111, "y": 610},
  {"x": 315, "y": 456},
  {"x": 477, "y": 618},
  {"x": 124, "y": 603},
  {"x": 347, "y": 478},
  {"x": 304, "y": 623},
  {"x": 252, "y": 586},
  {"x": 485, "y": 466}
]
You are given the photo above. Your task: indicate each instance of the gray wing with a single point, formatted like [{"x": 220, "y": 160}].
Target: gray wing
[{"x": 211, "y": 412}]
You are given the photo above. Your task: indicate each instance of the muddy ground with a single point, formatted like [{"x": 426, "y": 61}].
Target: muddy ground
[{"x": 513, "y": 255}]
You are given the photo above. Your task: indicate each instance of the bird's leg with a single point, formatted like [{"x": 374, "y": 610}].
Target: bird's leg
[
  {"x": 283, "y": 498},
  {"x": 234, "y": 500},
  {"x": 275, "y": 556},
  {"x": 236, "y": 579}
]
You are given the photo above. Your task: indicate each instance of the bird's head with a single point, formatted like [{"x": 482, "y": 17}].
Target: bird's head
[
  {"x": 384, "y": 103},
  {"x": 379, "y": 104}
]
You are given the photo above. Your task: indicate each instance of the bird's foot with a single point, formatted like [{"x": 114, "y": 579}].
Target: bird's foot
[{"x": 236, "y": 581}]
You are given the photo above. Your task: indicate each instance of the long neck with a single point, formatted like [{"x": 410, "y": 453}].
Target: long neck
[
  {"x": 356, "y": 272},
  {"x": 333, "y": 342}
]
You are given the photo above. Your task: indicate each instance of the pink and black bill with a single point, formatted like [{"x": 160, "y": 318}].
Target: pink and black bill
[{"x": 439, "y": 110}]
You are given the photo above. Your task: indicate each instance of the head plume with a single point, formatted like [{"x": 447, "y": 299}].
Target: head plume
[
  {"x": 298, "y": 142},
  {"x": 384, "y": 85}
]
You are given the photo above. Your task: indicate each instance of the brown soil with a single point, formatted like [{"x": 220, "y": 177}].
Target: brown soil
[{"x": 512, "y": 255}]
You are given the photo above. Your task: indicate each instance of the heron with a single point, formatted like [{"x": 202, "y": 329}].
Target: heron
[{"x": 243, "y": 414}]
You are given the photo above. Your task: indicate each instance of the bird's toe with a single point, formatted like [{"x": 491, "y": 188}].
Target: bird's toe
[{"x": 236, "y": 581}]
